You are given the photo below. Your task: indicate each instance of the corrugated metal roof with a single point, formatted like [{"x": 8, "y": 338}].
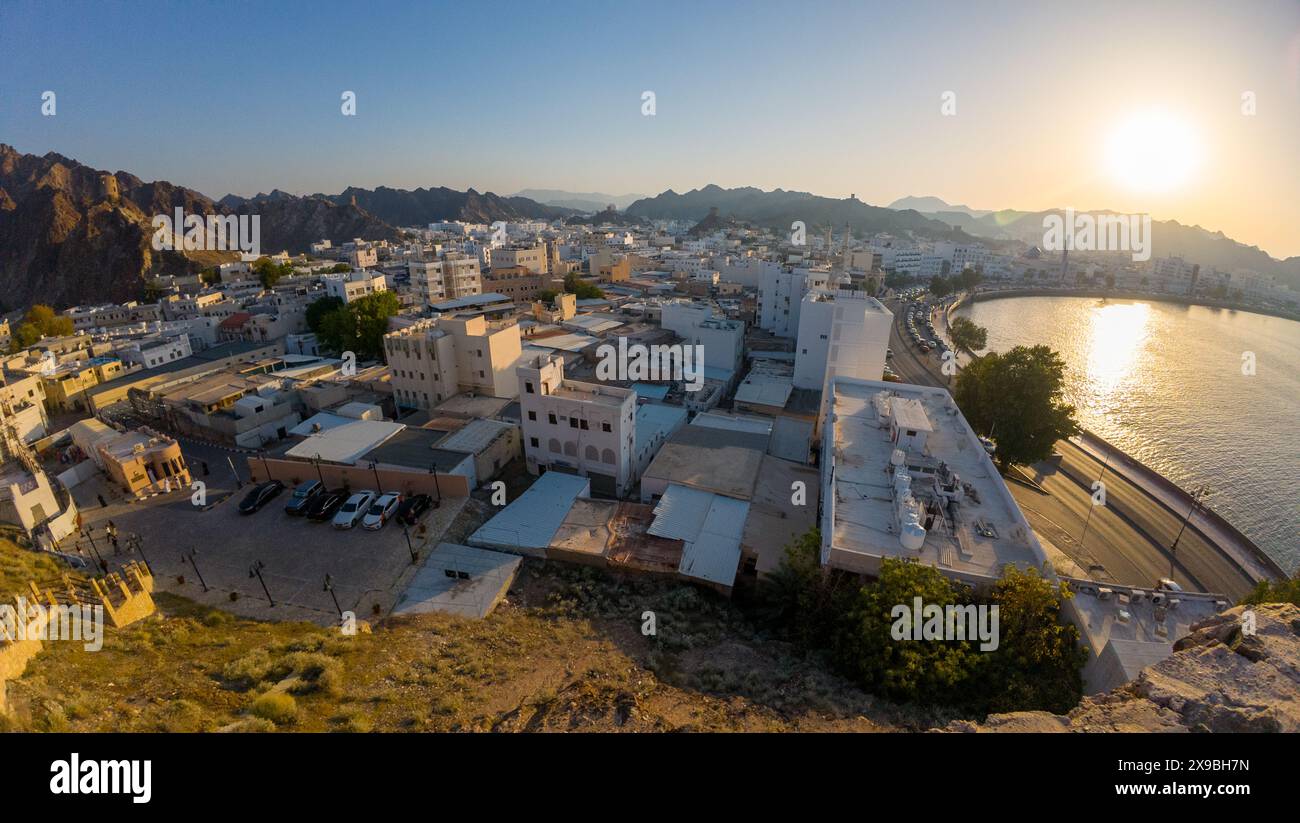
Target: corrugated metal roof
[
  {"x": 680, "y": 513},
  {"x": 531, "y": 521},
  {"x": 714, "y": 555},
  {"x": 474, "y": 436}
]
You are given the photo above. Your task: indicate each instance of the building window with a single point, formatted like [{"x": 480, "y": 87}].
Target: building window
[
  {"x": 550, "y": 418},
  {"x": 582, "y": 424},
  {"x": 528, "y": 386},
  {"x": 533, "y": 442},
  {"x": 532, "y": 416},
  {"x": 605, "y": 427},
  {"x": 573, "y": 422}
]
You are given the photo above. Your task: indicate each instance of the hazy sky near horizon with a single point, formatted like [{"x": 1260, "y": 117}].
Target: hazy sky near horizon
[{"x": 833, "y": 98}]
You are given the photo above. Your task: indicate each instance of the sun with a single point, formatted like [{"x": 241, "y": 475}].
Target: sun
[{"x": 1153, "y": 151}]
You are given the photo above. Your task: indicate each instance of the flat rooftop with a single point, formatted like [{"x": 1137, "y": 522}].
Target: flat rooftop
[
  {"x": 973, "y": 525},
  {"x": 460, "y": 580}
]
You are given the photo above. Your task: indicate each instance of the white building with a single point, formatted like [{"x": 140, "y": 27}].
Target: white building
[
  {"x": 722, "y": 340},
  {"x": 583, "y": 428},
  {"x": 841, "y": 333},
  {"x": 904, "y": 476},
  {"x": 354, "y": 285},
  {"x": 780, "y": 294}
]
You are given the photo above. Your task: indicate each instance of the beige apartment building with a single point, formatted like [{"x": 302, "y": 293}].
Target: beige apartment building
[
  {"x": 533, "y": 258},
  {"x": 433, "y": 360},
  {"x": 452, "y": 276}
]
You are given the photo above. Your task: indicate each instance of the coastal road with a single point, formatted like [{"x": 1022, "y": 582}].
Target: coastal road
[{"x": 1127, "y": 540}]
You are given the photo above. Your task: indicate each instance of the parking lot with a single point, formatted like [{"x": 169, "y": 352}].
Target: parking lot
[{"x": 368, "y": 569}]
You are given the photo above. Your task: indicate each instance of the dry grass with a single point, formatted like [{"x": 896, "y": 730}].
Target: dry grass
[{"x": 565, "y": 653}]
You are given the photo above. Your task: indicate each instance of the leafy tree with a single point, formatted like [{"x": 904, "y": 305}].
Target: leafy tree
[
  {"x": 210, "y": 277},
  {"x": 1017, "y": 397},
  {"x": 969, "y": 278},
  {"x": 897, "y": 281},
  {"x": 359, "y": 326},
  {"x": 547, "y": 295},
  {"x": 940, "y": 286},
  {"x": 1280, "y": 591},
  {"x": 968, "y": 335},
  {"x": 41, "y": 321},
  {"x": 1038, "y": 663},
  {"x": 270, "y": 272},
  {"x": 803, "y": 599},
  {"x": 319, "y": 308},
  {"x": 584, "y": 290},
  {"x": 866, "y": 650},
  {"x": 340, "y": 268}
]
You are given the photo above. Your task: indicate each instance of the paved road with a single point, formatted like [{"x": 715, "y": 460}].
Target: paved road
[{"x": 1126, "y": 540}]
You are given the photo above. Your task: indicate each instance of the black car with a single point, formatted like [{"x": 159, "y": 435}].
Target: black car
[
  {"x": 260, "y": 496},
  {"x": 324, "y": 505},
  {"x": 412, "y": 508},
  {"x": 303, "y": 497}
]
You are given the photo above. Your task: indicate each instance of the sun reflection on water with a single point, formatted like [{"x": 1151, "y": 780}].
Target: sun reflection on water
[{"x": 1118, "y": 335}]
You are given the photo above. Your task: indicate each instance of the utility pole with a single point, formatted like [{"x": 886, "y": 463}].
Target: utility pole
[
  {"x": 329, "y": 587},
  {"x": 88, "y": 533},
  {"x": 192, "y": 558},
  {"x": 255, "y": 570},
  {"x": 1196, "y": 504},
  {"x": 1092, "y": 505}
]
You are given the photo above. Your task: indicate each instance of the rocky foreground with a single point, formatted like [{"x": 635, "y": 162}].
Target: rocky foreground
[{"x": 1219, "y": 679}]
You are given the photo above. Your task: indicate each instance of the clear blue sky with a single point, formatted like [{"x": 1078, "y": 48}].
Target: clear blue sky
[{"x": 831, "y": 97}]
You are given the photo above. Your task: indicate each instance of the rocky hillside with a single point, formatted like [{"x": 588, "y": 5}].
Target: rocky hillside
[
  {"x": 1217, "y": 680},
  {"x": 779, "y": 208},
  {"x": 71, "y": 234},
  {"x": 419, "y": 207}
]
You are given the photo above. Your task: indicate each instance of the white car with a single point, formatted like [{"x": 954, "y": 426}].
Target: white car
[
  {"x": 380, "y": 511},
  {"x": 353, "y": 510}
]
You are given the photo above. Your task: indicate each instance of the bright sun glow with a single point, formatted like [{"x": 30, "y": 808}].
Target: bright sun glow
[{"x": 1153, "y": 152}]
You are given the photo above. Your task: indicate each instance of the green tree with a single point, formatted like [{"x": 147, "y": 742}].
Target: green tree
[
  {"x": 359, "y": 326},
  {"x": 1279, "y": 591},
  {"x": 584, "y": 290},
  {"x": 1017, "y": 397},
  {"x": 940, "y": 286},
  {"x": 319, "y": 308},
  {"x": 865, "y": 649},
  {"x": 340, "y": 268},
  {"x": 1038, "y": 663},
  {"x": 802, "y": 599},
  {"x": 969, "y": 278},
  {"x": 210, "y": 277},
  {"x": 269, "y": 272},
  {"x": 41, "y": 321},
  {"x": 968, "y": 335}
]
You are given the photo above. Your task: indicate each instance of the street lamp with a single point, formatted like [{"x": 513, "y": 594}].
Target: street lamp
[
  {"x": 134, "y": 541},
  {"x": 329, "y": 587},
  {"x": 255, "y": 570},
  {"x": 433, "y": 469},
  {"x": 193, "y": 562},
  {"x": 88, "y": 533},
  {"x": 374, "y": 467},
  {"x": 1202, "y": 492},
  {"x": 319, "y": 473},
  {"x": 405, "y": 533}
]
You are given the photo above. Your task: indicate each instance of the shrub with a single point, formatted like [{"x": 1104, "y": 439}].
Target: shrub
[{"x": 277, "y": 707}]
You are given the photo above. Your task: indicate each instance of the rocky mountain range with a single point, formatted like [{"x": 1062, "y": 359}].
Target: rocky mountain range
[
  {"x": 71, "y": 234},
  {"x": 777, "y": 209},
  {"x": 586, "y": 201},
  {"x": 1168, "y": 237}
]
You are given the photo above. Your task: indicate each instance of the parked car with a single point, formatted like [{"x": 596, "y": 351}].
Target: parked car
[
  {"x": 325, "y": 505},
  {"x": 412, "y": 508},
  {"x": 380, "y": 510},
  {"x": 353, "y": 510},
  {"x": 260, "y": 496},
  {"x": 303, "y": 497}
]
